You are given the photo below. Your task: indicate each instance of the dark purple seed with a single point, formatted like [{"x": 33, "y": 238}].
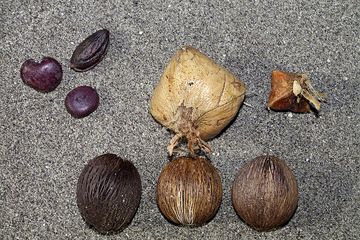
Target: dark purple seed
[
  {"x": 82, "y": 101},
  {"x": 44, "y": 76},
  {"x": 90, "y": 51}
]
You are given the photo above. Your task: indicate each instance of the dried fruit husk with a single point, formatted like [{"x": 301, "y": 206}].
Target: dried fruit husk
[
  {"x": 90, "y": 51},
  {"x": 265, "y": 193},
  {"x": 293, "y": 92},
  {"x": 108, "y": 193},
  {"x": 189, "y": 191},
  {"x": 195, "y": 98}
]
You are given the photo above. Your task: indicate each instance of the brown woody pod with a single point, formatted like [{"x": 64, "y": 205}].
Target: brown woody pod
[
  {"x": 293, "y": 92},
  {"x": 265, "y": 193},
  {"x": 108, "y": 193},
  {"x": 189, "y": 191}
]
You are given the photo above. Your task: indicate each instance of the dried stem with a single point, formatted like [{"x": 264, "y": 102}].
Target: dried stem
[
  {"x": 185, "y": 127},
  {"x": 308, "y": 92}
]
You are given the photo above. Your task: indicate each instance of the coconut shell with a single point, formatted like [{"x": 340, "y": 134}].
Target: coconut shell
[
  {"x": 265, "y": 193},
  {"x": 189, "y": 191},
  {"x": 108, "y": 193}
]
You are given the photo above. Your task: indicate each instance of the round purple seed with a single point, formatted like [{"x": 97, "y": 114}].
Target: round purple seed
[{"x": 82, "y": 101}]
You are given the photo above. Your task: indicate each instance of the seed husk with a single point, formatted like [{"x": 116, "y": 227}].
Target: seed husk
[
  {"x": 90, "y": 51},
  {"x": 196, "y": 98},
  {"x": 293, "y": 92}
]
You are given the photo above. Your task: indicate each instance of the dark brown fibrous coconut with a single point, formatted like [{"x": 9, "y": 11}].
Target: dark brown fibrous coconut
[
  {"x": 108, "y": 193},
  {"x": 265, "y": 193},
  {"x": 189, "y": 191}
]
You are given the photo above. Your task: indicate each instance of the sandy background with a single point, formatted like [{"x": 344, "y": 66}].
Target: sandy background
[{"x": 43, "y": 149}]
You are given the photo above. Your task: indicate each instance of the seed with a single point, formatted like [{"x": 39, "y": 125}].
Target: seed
[
  {"x": 293, "y": 92},
  {"x": 196, "y": 98},
  {"x": 82, "y": 101},
  {"x": 43, "y": 76},
  {"x": 189, "y": 191},
  {"x": 90, "y": 51}
]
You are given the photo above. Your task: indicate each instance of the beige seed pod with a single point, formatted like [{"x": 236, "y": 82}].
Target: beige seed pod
[{"x": 195, "y": 98}]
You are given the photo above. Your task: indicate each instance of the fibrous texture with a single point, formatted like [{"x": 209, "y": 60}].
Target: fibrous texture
[
  {"x": 108, "y": 193},
  {"x": 265, "y": 193},
  {"x": 189, "y": 191}
]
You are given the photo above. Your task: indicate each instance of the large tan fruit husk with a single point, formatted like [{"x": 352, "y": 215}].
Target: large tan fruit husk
[{"x": 195, "y": 98}]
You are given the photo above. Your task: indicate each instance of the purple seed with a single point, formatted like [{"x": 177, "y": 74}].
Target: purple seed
[
  {"x": 81, "y": 101},
  {"x": 90, "y": 51},
  {"x": 44, "y": 76}
]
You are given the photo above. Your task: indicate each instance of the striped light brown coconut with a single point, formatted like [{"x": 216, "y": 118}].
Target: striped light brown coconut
[{"x": 189, "y": 191}]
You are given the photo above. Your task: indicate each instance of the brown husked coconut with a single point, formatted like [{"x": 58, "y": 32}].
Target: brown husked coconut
[
  {"x": 265, "y": 193},
  {"x": 108, "y": 193},
  {"x": 189, "y": 191}
]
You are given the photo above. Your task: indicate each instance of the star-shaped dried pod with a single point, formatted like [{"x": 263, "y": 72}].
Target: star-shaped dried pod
[{"x": 293, "y": 92}]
